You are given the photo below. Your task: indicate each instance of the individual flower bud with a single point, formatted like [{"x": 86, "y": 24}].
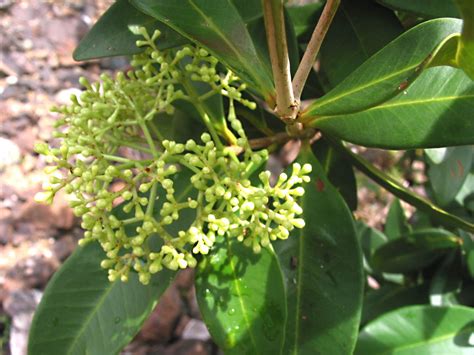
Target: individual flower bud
[
  {"x": 44, "y": 197},
  {"x": 298, "y": 222},
  {"x": 205, "y": 137},
  {"x": 42, "y": 148},
  {"x": 299, "y": 191},
  {"x": 248, "y": 206},
  {"x": 144, "y": 278},
  {"x": 307, "y": 168},
  {"x": 155, "y": 267},
  {"x": 127, "y": 195},
  {"x": 106, "y": 264}
]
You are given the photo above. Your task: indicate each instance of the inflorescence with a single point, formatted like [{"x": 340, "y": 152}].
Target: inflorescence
[{"x": 141, "y": 234}]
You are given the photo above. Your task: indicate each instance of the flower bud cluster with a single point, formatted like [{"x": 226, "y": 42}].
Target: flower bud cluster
[{"x": 140, "y": 234}]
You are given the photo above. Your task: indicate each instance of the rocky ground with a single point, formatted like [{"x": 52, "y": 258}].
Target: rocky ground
[{"x": 36, "y": 72}]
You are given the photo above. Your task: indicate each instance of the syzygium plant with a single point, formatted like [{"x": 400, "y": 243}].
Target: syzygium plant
[{"x": 281, "y": 265}]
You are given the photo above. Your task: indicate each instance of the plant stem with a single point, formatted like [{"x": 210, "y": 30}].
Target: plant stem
[
  {"x": 314, "y": 45},
  {"x": 286, "y": 107}
]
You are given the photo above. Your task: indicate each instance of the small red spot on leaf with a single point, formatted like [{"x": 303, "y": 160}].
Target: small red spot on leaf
[
  {"x": 403, "y": 85},
  {"x": 320, "y": 185},
  {"x": 460, "y": 168}
]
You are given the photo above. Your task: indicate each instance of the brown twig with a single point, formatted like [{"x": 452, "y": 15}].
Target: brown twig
[
  {"x": 286, "y": 107},
  {"x": 314, "y": 45}
]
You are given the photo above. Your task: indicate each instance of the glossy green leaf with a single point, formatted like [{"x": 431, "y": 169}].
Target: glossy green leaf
[
  {"x": 447, "y": 281},
  {"x": 434, "y": 111},
  {"x": 425, "y": 8},
  {"x": 390, "y": 297},
  {"x": 323, "y": 269},
  {"x": 359, "y": 30},
  {"x": 447, "y": 178},
  {"x": 387, "y": 73},
  {"x": 390, "y": 184},
  {"x": 419, "y": 330},
  {"x": 181, "y": 126},
  {"x": 465, "y": 54},
  {"x": 217, "y": 26},
  {"x": 338, "y": 170},
  {"x": 305, "y": 17},
  {"x": 468, "y": 251},
  {"x": 465, "y": 196},
  {"x": 414, "y": 251},
  {"x": 438, "y": 155},
  {"x": 249, "y": 10},
  {"x": 370, "y": 239},
  {"x": 396, "y": 224},
  {"x": 81, "y": 312},
  {"x": 112, "y": 34},
  {"x": 241, "y": 297}
]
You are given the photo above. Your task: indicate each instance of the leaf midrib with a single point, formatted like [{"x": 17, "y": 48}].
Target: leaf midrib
[
  {"x": 237, "y": 54},
  {"x": 360, "y": 88},
  {"x": 240, "y": 298},
  {"x": 398, "y": 104},
  {"x": 91, "y": 316}
]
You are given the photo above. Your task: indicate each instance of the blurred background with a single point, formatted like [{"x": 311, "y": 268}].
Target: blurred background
[{"x": 37, "y": 38}]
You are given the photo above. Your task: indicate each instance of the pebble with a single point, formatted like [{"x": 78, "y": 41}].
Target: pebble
[{"x": 9, "y": 153}]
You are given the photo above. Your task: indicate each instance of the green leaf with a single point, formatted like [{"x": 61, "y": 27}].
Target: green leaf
[
  {"x": 390, "y": 184},
  {"x": 217, "y": 26},
  {"x": 434, "y": 112},
  {"x": 465, "y": 196},
  {"x": 387, "y": 73},
  {"x": 241, "y": 297},
  {"x": 305, "y": 17},
  {"x": 249, "y": 10},
  {"x": 425, "y": 8},
  {"x": 390, "y": 297},
  {"x": 338, "y": 170},
  {"x": 465, "y": 54},
  {"x": 419, "y": 330},
  {"x": 370, "y": 240},
  {"x": 81, "y": 312},
  {"x": 112, "y": 34},
  {"x": 414, "y": 251},
  {"x": 396, "y": 224},
  {"x": 438, "y": 155},
  {"x": 468, "y": 250},
  {"x": 323, "y": 269},
  {"x": 446, "y": 282},
  {"x": 359, "y": 30},
  {"x": 447, "y": 177}
]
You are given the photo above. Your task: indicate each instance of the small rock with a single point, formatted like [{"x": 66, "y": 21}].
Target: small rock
[
  {"x": 183, "y": 321},
  {"x": 196, "y": 330},
  {"x": 64, "y": 247},
  {"x": 21, "y": 305},
  {"x": 33, "y": 272},
  {"x": 9, "y": 153},
  {"x": 26, "y": 139},
  {"x": 58, "y": 215},
  {"x": 192, "y": 304},
  {"x": 137, "y": 348},
  {"x": 185, "y": 279},
  {"x": 158, "y": 328},
  {"x": 13, "y": 125},
  {"x": 63, "y": 97},
  {"x": 6, "y": 231},
  {"x": 5, "y": 4},
  {"x": 188, "y": 347}
]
